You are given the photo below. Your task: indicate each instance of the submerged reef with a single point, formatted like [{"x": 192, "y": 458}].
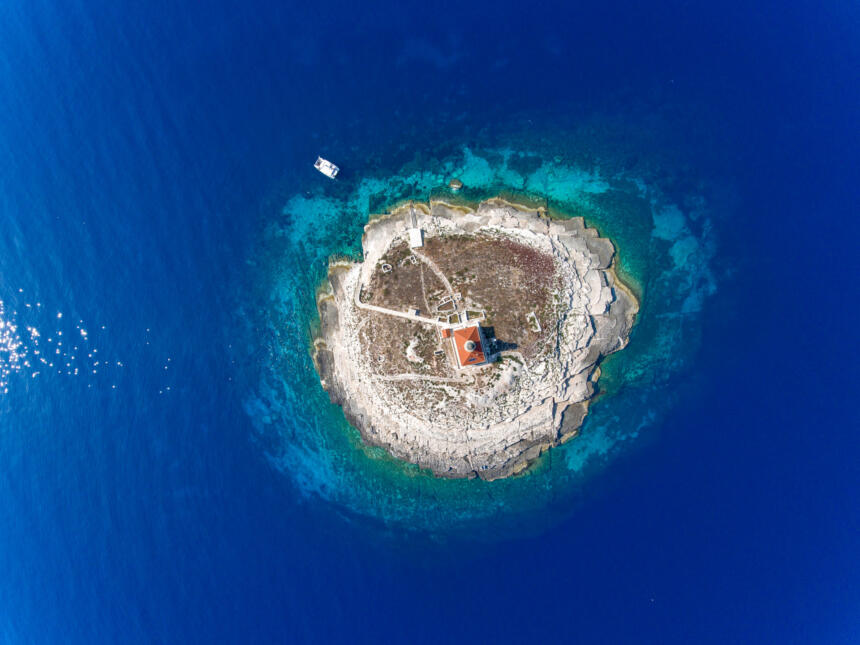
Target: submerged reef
[{"x": 468, "y": 340}]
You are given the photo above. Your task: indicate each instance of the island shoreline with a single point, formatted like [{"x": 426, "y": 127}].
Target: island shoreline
[{"x": 335, "y": 375}]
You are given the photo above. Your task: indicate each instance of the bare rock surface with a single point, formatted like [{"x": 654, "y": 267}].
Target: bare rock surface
[{"x": 546, "y": 297}]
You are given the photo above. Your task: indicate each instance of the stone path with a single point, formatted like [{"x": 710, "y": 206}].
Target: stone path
[{"x": 394, "y": 312}]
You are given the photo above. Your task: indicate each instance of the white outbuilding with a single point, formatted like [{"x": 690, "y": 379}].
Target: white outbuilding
[{"x": 416, "y": 238}]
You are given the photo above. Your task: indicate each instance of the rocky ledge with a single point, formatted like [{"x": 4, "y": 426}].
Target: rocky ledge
[{"x": 469, "y": 340}]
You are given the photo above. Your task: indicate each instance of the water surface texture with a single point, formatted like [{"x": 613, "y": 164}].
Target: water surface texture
[{"x": 171, "y": 470}]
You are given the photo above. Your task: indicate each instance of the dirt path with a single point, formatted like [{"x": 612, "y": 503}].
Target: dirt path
[
  {"x": 424, "y": 289},
  {"x": 422, "y": 377},
  {"x": 435, "y": 269}
]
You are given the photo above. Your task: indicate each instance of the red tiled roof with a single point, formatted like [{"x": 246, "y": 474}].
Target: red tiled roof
[
  {"x": 446, "y": 333},
  {"x": 469, "y": 357}
]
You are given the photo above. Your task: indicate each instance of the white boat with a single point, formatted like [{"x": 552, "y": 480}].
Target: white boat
[{"x": 326, "y": 167}]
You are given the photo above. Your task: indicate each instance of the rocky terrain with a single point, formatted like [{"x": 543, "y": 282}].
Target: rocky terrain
[{"x": 549, "y": 305}]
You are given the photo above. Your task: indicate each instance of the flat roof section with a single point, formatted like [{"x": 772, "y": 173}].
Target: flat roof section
[
  {"x": 416, "y": 238},
  {"x": 470, "y": 349}
]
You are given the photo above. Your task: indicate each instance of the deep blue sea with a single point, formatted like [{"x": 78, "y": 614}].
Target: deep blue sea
[{"x": 170, "y": 469}]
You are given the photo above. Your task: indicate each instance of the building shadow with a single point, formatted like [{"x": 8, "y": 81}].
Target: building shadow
[{"x": 495, "y": 346}]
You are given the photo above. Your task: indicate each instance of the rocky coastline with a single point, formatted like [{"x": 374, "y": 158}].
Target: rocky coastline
[{"x": 490, "y": 421}]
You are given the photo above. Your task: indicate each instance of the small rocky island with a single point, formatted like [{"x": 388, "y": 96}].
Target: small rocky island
[{"x": 468, "y": 341}]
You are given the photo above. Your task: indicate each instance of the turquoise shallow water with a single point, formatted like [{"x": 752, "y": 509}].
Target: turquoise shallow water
[{"x": 666, "y": 247}]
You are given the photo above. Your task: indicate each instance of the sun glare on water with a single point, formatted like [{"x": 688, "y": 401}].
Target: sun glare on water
[{"x": 35, "y": 344}]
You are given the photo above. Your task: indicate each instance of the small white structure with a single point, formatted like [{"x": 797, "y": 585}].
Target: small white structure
[
  {"x": 326, "y": 167},
  {"x": 416, "y": 238}
]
